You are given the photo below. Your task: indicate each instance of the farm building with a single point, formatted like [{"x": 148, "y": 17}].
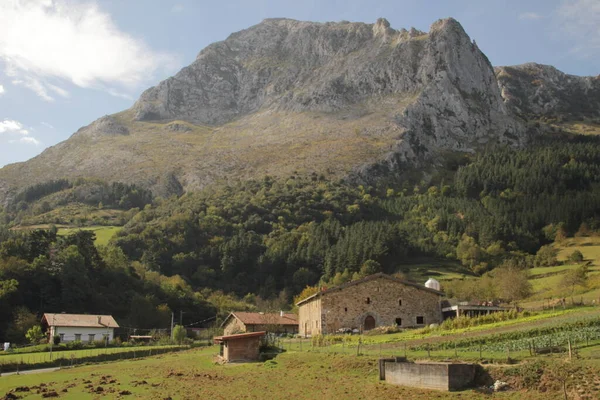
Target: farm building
[
  {"x": 240, "y": 322},
  {"x": 79, "y": 327},
  {"x": 240, "y": 347},
  {"x": 377, "y": 300}
]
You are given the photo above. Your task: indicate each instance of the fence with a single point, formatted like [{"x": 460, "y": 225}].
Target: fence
[
  {"x": 478, "y": 348},
  {"x": 29, "y": 361}
]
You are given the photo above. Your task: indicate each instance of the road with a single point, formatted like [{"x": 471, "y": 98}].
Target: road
[{"x": 31, "y": 371}]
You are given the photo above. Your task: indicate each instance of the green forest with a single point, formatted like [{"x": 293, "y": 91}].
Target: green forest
[{"x": 257, "y": 244}]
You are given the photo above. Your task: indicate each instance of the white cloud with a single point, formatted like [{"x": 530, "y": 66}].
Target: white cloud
[
  {"x": 530, "y": 16},
  {"x": 30, "y": 140},
  {"x": 177, "y": 8},
  {"x": 45, "y": 42},
  {"x": 579, "y": 20},
  {"x": 47, "y": 125},
  {"x": 36, "y": 86},
  {"x": 2, "y": 90},
  {"x": 12, "y": 126}
]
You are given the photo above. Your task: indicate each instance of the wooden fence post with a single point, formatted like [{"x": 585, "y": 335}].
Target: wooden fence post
[{"x": 570, "y": 350}]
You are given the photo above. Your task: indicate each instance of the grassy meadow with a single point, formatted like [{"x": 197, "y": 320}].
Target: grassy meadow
[{"x": 194, "y": 374}]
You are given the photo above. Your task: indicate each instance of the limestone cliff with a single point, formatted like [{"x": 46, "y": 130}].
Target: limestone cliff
[{"x": 282, "y": 96}]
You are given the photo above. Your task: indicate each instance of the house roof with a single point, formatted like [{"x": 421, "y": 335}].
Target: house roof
[
  {"x": 367, "y": 279},
  {"x": 80, "y": 320},
  {"x": 254, "y": 318},
  {"x": 239, "y": 336}
]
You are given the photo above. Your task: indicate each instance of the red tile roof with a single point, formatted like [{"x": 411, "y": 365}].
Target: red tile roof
[
  {"x": 239, "y": 336},
  {"x": 80, "y": 320},
  {"x": 249, "y": 318}
]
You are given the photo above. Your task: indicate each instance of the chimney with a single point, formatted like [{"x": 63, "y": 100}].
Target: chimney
[
  {"x": 281, "y": 313},
  {"x": 99, "y": 320}
]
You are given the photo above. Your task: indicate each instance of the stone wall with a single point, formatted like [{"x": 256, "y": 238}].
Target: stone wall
[
  {"x": 439, "y": 376},
  {"x": 388, "y": 302},
  {"x": 309, "y": 318},
  {"x": 233, "y": 326}
]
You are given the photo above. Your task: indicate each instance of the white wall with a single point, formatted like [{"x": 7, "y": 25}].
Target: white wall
[{"x": 70, "y": 332}]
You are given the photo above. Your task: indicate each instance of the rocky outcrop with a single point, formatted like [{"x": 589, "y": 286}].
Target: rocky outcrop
[
  {"x": 283, "y": 96},
  {"x": 106, "y": 125},
  {"x": 542, "y": 90}
]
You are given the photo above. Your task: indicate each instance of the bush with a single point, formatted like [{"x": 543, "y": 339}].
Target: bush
[
  {"x": 56, "y": 340},
  {"x": 179, "y": 334},
  {"x": 576, "y": 256}
]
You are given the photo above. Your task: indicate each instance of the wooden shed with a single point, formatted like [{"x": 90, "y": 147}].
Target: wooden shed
[{"x": 241, "y": 347}]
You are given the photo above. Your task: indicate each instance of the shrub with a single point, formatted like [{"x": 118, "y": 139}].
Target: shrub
[
  {"x": 56, "y": 340},
  {"x": 576, "y": 256},
  {"x": 179, "y": 334}
]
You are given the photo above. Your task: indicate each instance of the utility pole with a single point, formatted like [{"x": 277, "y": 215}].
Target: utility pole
[
  {"x": 172, "y": 322},
  {"x": 181, "y": 317}
]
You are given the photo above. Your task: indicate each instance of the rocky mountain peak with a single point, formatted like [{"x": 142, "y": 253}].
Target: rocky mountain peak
[
  {"x": 345, "y": 99},
  {"x": 533, "y": 89}
]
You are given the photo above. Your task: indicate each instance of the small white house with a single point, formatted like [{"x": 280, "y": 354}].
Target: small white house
[{"x": 80, "y": 327}]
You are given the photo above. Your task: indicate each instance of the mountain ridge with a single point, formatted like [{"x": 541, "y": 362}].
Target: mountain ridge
[{"x": 341, "y": 99}]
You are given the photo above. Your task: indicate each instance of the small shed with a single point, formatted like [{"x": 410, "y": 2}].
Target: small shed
[{"x": 240, "y": 347}]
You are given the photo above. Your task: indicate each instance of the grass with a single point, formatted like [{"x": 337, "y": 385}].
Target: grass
[
  {"x": 193, "y": 374},
  {"x": 103, "y": 233},
  {"x": 41, "y": 357}
]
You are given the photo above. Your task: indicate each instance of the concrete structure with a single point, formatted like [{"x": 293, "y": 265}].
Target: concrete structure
[
  {"x": 439, "y": 376},
  {"x": 79, "y": 327},
  {"x": 240, "y": 322},
  {"x": 377, "y": 300},
  {"x": 242, "y": 347},
  {"x": 471, "y": 310}
]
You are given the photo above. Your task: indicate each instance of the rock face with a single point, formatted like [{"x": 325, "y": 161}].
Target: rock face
[
  {"x": 282, "y": 96},
  {"x": 303, "y": 66},
  {"x": 106, "y": 125},
  {"x": 542, "y": 90}
]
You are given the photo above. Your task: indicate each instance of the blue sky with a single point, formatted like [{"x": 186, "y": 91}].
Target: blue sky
[{"x": 65, "y": 63}]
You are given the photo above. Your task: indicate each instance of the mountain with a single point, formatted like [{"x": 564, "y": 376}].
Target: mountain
[
  {"x": 535, "y": 91},
  {"x": 339, "y": 99}
]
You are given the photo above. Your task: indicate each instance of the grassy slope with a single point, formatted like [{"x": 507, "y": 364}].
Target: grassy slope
[
  {"x": 267, "y": 142},
  {"x": 103, "y": 233},
  {"x": 40, "y": 357},
  {"x": 192, "y": 374}
]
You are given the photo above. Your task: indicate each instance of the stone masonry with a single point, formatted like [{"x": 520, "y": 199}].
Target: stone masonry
[{"x": 377, "y": 300}]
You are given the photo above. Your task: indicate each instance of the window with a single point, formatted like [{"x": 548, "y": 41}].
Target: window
[
  {"x": 400, "y": 302},
  {"x": 420, "y": 320},
  {"x": 62, "y": 337},
  {"x": 105, "y": 337},
  {"x": 368, "y": 300},
  {"x": 78, "y": 337},
  {"x": 91, "y": 338}
]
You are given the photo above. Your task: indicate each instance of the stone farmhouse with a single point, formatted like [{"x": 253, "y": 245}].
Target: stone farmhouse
[
  {"x": 377, "y": 300},
  {"x": 79, "y": 327},
  {"x": 240, "y": 322}
]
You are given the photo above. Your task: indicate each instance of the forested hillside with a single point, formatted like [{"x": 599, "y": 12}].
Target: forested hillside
[{"x": 269, "y": 239}]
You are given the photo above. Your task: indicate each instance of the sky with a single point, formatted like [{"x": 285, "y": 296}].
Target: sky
[{"x": 65, "y": 63}]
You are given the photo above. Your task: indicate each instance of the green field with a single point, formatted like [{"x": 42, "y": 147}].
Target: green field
[
  {"x": 294, "y": 374},
  {"x": 103, "y": 233},
  {"x": 342, "y": 370},
  {"x": 68, "y": 355}
]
